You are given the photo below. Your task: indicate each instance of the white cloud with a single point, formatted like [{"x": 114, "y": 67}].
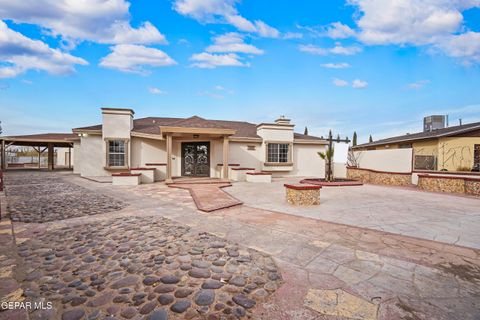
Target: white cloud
[
  {"x": 465, "y": 46},
  {"x": 418, "y": 84},
  {"x": 338, "y": 30},
  {"x": 312, "y": 49},
  {"x": 154, "y": 90},
  {"x": 339, "y": 82},
  {"x": 19, "y": 54},
  {"x": 293, "y": 35},
  {"x": 265, "y": 30},
  {"x": 92, "y": 20},
  {"x": 223, "y": 11},
  {"x": 346, "y": 51},
  {"x": 437, "y": 24},
  {"x": 359, "y": 84},
  {"x": 342, "y": 65},
  {"x": 132, "y": 58},
  {"x": 232, "y": 42},
  {"x": 210, "y": 61},
  {"x": 338, "y": 49}
]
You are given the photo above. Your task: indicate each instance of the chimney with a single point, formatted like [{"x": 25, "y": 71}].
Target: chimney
[{"x": 282, "y": 120}]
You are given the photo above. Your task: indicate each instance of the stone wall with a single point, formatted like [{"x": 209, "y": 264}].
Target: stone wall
[
  {"x": 441, "y": 184},
  {"x": 449, "y": 184},
  {"x": 472, "y": 187},
  {"x": 379, "y": 177},
  {"x": 301, "y": 197}
]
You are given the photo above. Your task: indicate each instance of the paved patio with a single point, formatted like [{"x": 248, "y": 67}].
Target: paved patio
[
  {"x": 441, "y": 217},
  {"x": 328, "y": 270}
]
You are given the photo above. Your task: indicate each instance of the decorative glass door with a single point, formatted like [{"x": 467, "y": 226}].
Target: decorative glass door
[{"x": 196, "y": 159}]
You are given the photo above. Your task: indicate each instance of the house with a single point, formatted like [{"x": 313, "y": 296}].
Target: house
[
  {"x": 455, "y": 148},
  {"x": 194, "y": 147}
]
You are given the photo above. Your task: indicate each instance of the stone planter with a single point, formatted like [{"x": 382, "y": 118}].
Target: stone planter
[
  {"x": 160, "y": 170},
  {"x": 126, "y": 179},
  {"x": 240, "y": 174},
  {"x": 147, "y": 175},
  {"x": 258, "y": 177},
  {"x": 302, "y": 194}
]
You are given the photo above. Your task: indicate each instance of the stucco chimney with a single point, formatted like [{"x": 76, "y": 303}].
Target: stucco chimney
[
  {"x": 282, "y": 120},
  {"x": 117, "y": 123}
]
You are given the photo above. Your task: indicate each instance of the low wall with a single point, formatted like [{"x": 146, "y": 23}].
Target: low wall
[
  {"x": 379, "y": 177},
  {"x": 448, "y": 183}
]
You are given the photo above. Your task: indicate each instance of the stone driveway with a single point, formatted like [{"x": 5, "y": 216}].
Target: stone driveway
[
  {"x": 321, "y": 269},
  {"x": 440, "y": 217}
]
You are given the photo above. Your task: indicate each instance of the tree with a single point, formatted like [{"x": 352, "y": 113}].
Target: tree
[
  {"x": 354, "y": 139},
  {"x": 306, "y": 131},
  {"x": 370, "y": 140},
  {"x": 328, "y": 157}
]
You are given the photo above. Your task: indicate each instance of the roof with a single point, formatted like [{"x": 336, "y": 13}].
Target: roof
[
  {"x": 151, "y": 125},
  {"x": 438, "y": 133},
  {"x": 42, "y": 139}
]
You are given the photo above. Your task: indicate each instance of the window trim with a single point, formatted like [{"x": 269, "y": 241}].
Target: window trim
[
  {"x": 107, "y": 153},
  {"x": 279, "y": 164}
]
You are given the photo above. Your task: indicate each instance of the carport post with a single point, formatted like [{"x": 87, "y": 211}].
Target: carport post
[
  {"x": 69, "y": 158},
  {"x": 50, "y": 157}
]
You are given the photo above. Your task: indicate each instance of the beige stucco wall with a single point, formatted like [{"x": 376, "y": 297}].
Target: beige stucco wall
[
  {"x": 239, "y": 153},
  {"x": 92, "y": 156},
  {"x": 148, "y": 151},
  {"x": 456, "y": 152},
  {"x": 62, "y": 157},
  {"x": 77, "y": 157},
  {"x": 389, "y": 160},
  {"x": 307, "y": 162}
]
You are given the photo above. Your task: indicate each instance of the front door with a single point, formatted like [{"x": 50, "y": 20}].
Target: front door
[{"x": 196, "y": 159}]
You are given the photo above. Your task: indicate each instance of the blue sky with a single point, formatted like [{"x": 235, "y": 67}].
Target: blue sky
[{"x": 373, "y": 66}]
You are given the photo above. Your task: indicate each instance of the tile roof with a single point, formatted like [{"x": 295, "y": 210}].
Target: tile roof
[
  {"x": 151, "y": 125},
  {"x": 43, "y": 137},
  {"x": 445, "y": 132}
]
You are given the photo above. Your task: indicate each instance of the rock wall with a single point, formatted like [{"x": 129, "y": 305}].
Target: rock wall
[
  {"x": 379, "y": 177},
  {"x": 303, "y": 197},
  {"x": 472, "y": 187},
  {"x": 449, "y": 184}
]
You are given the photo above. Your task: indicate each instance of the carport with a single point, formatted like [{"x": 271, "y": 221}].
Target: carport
[{"x": 40, "y": 143}]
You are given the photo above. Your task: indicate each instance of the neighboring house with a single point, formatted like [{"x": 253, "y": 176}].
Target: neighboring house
[
  {"x": 454, "y": 148},
  {"x": 194, "y": 147}
]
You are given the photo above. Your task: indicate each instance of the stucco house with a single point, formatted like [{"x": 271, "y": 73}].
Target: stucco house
[
  {"x": 194, "y": 147},
  {"x": 454, "y": 148}
]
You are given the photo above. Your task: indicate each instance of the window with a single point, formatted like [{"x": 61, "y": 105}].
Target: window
[
  {"x": 278, "y": 152},
  {"x": 116, "y": 153}
]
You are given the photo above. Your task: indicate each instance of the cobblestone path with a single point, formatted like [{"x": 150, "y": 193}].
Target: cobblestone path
[{"x": 42, "y": 197}]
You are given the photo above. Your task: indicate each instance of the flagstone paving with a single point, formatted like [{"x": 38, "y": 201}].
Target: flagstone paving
[
  {"x": 441, "y": 217},
  {"x": 328, "y": 270},
  {"x": 209, "y": 197}
]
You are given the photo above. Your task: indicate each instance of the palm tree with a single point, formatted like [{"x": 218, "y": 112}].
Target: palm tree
[{"x": 328, "y": 157}]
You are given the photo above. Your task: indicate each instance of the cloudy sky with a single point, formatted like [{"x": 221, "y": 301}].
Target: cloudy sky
[{"x": 374, "y": 66}]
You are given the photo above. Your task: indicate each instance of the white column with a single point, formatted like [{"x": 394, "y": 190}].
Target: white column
[
  {"x": 225, "y": 157},
  {"x": 168, "y": 178}
]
